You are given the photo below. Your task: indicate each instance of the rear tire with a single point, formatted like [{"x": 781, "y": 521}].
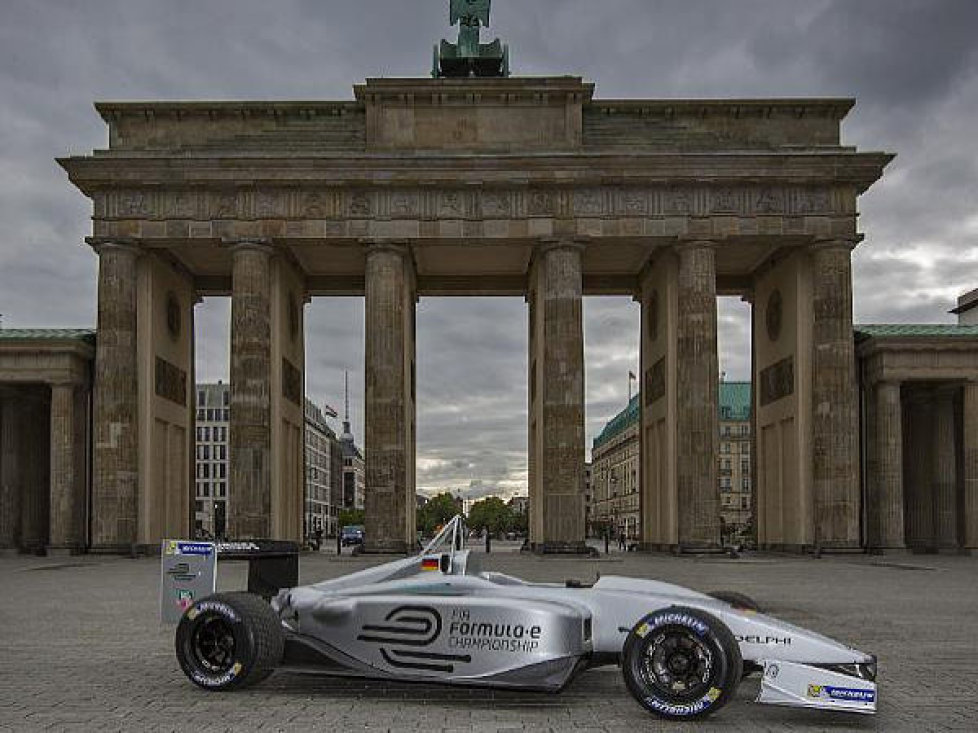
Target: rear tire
[
  {"x": 228, "y": 641},
  {"x": 681, "y": 663}
]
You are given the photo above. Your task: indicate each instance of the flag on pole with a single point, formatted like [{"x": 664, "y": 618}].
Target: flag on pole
[{"x": 631, "y": 375}]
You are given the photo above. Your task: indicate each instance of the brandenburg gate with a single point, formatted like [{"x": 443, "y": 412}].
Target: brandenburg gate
[{"x": 478, "y": 186}]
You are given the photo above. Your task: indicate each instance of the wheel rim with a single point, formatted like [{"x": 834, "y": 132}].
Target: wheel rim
[
  {"x": 213, "y": 644},
  {"x": 677, "y": 664}
]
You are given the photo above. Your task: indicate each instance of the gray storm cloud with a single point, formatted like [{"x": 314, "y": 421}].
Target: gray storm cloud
[{"x": 911, "y": 64}]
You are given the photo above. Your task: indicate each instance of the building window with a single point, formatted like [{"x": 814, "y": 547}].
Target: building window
[{"x": 227, "y": 398}]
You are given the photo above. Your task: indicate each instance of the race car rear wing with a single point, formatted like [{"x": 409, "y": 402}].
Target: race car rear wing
[
  {"x": 189, "y": 570},
  {"x": 272, "y": 564}
]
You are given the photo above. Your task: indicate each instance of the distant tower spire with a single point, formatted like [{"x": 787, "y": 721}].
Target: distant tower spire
[{"x": 346, "y": 405}]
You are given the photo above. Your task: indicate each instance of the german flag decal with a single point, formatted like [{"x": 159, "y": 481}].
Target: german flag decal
[{"x": 429, "y": 563}]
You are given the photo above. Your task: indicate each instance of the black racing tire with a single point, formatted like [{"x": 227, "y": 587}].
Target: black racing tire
[
  {"x": 681, "y": 663},
  {"x": 739, "y": 601},
  {"x": 229, "y": 641}
]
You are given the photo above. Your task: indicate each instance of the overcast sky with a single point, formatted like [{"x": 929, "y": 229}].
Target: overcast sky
[{"x": 911, "y": 64}]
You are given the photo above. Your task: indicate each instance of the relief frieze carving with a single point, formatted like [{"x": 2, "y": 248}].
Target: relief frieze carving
[
  {"x": 769, "y": 201},
  {"x": 655, "y": 382},
  {"x": 489, "y": 203},
  {"x": 451, "y": 204},
  {"x": 171, "y": 382},
  {"x": 777, "y": 381},
  {"x": 291, "y": 382},
  {"x": 497, "y": 204},
  {"x": 590, "y": 202}
]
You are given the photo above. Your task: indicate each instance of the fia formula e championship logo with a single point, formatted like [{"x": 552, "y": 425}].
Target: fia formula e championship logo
[{"x": 404, "y": 635}]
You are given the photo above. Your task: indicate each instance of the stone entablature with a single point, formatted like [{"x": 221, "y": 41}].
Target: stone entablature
[
  {"x": 951, "y": 356},
  {"x": 32, "y": 357}
]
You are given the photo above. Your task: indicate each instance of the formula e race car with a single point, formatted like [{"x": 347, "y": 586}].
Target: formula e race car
[{"x": 434, "y": 618}]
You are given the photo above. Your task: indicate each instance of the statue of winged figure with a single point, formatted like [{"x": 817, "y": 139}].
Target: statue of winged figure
[
  {"x": 469, "y": 57},
  {"x": 469, "y": 12}
]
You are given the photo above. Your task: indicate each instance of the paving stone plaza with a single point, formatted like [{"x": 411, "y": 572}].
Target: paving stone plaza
[{"x": 83, "y": 649}]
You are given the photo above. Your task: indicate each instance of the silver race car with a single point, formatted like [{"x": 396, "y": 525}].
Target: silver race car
[{"x": 435, "y": 618}]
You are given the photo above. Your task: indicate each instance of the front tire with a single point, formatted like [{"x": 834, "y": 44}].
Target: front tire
[
  {"x": 681, "y": 663},
  {"x": 228, "y": 641}
]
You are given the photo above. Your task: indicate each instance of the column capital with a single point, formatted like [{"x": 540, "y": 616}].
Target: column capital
[
  {"x": 827, "y": 244},
  {"x": 119, "y": 244},
  {"x": 257, "y": 244},
  {"x": 688, "y": 243},
  {"x": 547, "y": 244},
  {"x": 400, "y": 247},
  {"x": 64, "y": 383}
]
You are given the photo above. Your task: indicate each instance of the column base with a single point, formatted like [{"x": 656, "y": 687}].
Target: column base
[
  {"x": 9, "y": 552},
  {"x": 399, "y": 550},
  {"x": 127, "y": 550},
  {"x": 564, "y": 548},
  {"x": 64, "y": 551},
  {"x": 892, "y": 551}
]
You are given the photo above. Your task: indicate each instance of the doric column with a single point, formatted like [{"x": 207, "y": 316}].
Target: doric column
[
  {"x": 835, "y": 437},
  {"x": 970, "y": 443},
  {"x": 886, "y": 528},
  {"x": 389, "y": 441},
  {"x": 945, "y": 490},
  {"x": 558, "y": 388},
  {"x": 250, "y": 445},
  {"x": 116, "y": 455},
  {"x": 920, "y": 469},
  {"x": 698, "y": 376},
  {"x": 67, "y": 506},
  {"x": 11, "y": 476},
  {"x": 34, "y": 497}
]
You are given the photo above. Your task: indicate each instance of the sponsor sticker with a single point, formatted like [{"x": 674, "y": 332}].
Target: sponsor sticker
[
  {"x": 846, "y": 694},
  {"x": 193, "y": 548}
]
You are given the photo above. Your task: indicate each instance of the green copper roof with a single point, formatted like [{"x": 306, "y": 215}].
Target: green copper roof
[
  {"x": 618, "y": 424},
  {"x": 734, "y": 405},
  {"x": 735, "y": 401},
  {"x": 917, "y": 329},
  {"x": 47, "y": 334}
]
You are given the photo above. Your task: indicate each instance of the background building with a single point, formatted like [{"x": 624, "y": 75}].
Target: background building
[
  {"x": 353, "y": 483},
  {"x": 324, "y": 473},
  {"x": 212, "y": 490},
  {"x": 734, "y": 461},
  {"x": 615, "y": 462},
  {"x": 614, "y": 474}
]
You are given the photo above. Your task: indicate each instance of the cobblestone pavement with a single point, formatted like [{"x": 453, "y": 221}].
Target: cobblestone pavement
[{"x": 81, "y": 648}]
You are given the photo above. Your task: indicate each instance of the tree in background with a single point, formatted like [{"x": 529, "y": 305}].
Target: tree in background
[
  {"x": 437, "y": 511},
  {"x": 350, "y": 517},
  {"x": 491, "y": 514}
]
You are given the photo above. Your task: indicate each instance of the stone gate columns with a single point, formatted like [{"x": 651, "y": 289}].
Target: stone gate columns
[
  {"x": 970, "y": 463},
  {"x": 267, "y": 393},
  {"x": 919, "y": 468},
  {"x": 250, "y": 444},
  {"x": 557, "y": 397},
  {"x": 885, "y": 528},
  {"x": 115, "y": 481},
  {"x": 679, "y": 414},
  {"x": 67, "y": 500},
  {"x": 697, "y": 415},
  {"x": 945, "y": 483},
  {"x": 389, "y": 438},
  {"x": 835, "y": 433},
  {"x": 11, "y": 472}
]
